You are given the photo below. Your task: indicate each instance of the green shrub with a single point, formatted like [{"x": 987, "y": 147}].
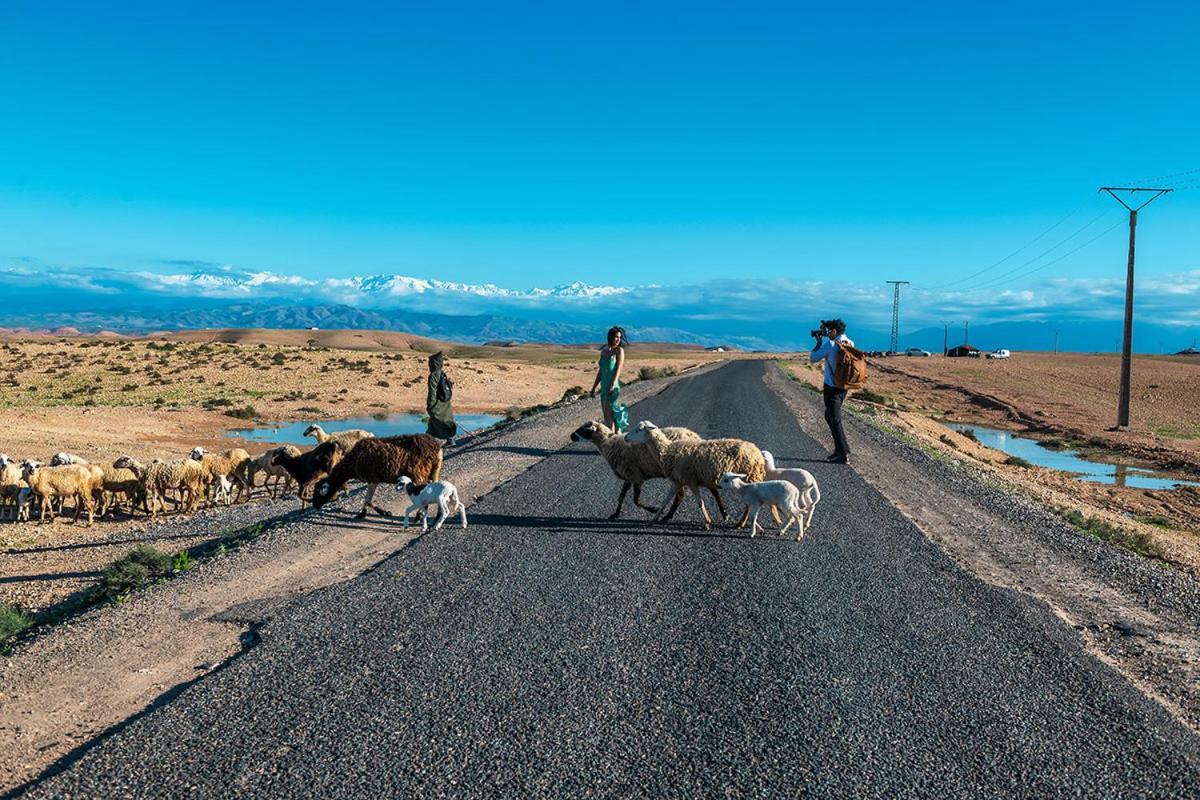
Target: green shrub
[
  {"x": 873, "y": 396},
  {"x": 12, "y": 621},
  {"x": 970, "y": 434},
  {"x": 1133, "y": 541},
  {"x": 649, "y": 373},
  {"x": 1017, "y": 461},
  {"x": 574, "y": 392},
  {"x": 244, "y": 412},
  {"x": 143, "y": 566}
]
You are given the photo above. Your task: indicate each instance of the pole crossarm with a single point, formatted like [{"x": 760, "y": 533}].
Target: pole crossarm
[{"x": 1112, "y": 190}]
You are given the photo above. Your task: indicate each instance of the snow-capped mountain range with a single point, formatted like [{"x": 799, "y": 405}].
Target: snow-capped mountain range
[{"x": 234, "y": 283}]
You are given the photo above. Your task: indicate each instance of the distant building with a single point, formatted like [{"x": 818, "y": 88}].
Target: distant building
[
  {"x": 313, "y": 328},
  {"x": 1188, "y": 351},
  {"x": 962, "y": 351}
]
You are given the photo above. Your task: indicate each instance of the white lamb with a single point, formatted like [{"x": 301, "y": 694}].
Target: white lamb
[
  {"x": 24, "y": 504},
  {"x": 443, "y": 493},
  {"x": 780, "y": 495},
  {"x": 802, "y": 479}
]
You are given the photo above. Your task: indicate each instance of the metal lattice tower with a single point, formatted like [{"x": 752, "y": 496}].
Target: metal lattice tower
[{"x": 896, "y": 315}]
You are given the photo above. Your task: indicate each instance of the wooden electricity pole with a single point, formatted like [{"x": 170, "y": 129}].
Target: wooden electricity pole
[{"x": 1127, "y": 341}]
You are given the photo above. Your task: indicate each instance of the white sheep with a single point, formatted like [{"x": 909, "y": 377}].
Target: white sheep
[
  {"x": 227, "y": 464},
  {"x": 11, "y": 484},
  {"x": 633, "y": 462},
  {"x": 783, "y": 496},
  {"x": 690, "y": 465},
  {"x": 76, "y": 481},
  {"x": 344, "y": 439},
  {"x": 24, "y": 504},
  {"x": 443, "y": 493},
  {"x": 62, "y": 459},
  {"x": 802, "y": 479}
]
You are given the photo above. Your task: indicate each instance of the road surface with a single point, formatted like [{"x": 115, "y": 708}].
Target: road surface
[{"x": 548, "y": 652}]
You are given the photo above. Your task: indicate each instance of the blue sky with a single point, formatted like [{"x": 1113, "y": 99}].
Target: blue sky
[{"x": 540, "y": 143}]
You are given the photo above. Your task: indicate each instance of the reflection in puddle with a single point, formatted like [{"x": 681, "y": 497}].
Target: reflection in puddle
[
  {"x": 1069, "y": 460},
  {"x": 378, "y": 424}
]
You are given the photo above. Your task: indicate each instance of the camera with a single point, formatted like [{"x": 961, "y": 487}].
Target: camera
[{"x": 821, "y": 331}]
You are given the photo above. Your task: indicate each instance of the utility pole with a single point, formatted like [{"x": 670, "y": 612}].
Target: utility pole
[
  {"x": 896, "y": 315},
  {"x": 945, "y": 338},
  {"x": 966, "y": 330},
  {"x": 1056, "y": 341},
  {"x": 1127, "y": 342}
]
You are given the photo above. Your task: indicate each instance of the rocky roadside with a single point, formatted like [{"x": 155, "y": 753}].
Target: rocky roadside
[{"x": 1134, "y": 613}]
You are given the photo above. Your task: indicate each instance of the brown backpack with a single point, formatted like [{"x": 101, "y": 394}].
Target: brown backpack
[{"x": 850, "y": 373}]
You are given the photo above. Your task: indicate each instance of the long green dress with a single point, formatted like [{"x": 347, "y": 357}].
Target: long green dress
[
  {"x": 610, "y": 391},
  {"x": 441, "y": 413}
]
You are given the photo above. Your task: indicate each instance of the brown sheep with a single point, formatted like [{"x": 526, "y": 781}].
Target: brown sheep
[
  {"x": 309, "y": 467},
  {"x": 376, "y": 461},
  {"x": 70, "y": 480}
]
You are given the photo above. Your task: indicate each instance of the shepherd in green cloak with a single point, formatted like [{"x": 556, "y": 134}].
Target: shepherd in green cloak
[{"x": 437, "y": 402}]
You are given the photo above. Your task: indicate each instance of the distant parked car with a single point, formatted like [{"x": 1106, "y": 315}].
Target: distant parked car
[
  {"x": 916, "y": 351},
  {"x": 1001, "y": 353}
]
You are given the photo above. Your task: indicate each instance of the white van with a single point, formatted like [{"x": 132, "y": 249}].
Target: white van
[{"x": 1002, "y": 353}]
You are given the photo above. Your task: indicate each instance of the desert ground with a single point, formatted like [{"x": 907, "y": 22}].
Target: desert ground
[
  {"x": 1065, "y": 400},
  {"x": 159, "y": 396}
]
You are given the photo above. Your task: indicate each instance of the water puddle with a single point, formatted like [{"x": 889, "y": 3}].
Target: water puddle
[
  {"x": 378, "y": 424},
  {"x": 1069, "y": 460}
]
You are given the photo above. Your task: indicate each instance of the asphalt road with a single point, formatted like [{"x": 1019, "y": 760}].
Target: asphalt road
[{"x": 547, "y": 652}]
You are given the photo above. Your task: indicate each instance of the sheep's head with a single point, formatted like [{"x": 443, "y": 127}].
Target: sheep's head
[
  {"x": 322, "y": 494},
  {"x": 29, "y": 468},
  {"x": 587, "y": 431},
  {"x": 642, "y": 433},
  {"x": 198, "y": 453},
  {"x": 61, "y": 459},
  {"x": 311, "y": 430},
  {"x": 406, "y": 484},
  {"x": 4, "y": 460},
  {"x": 730, "y": 480},
  {"x": 127, "y": 462},
  {"x": 769, "y": 459}
]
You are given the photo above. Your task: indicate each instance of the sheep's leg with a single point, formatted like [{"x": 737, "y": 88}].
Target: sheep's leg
[
  {"x": 791, "y": 519},
  {"x": 703, "y": 509},
  {"x": 754, "y": 521},
  {"x": 679, "y": 491},
  {"x": 637, "y": 499},
  {"x": 462, "y": 514},
  {"x": 745, "y": 518},
  {"x": 367, "y": 501},
  {"x": 720, "y": 506},
  {"x": 621, "y": 499},
  {"x": 443, "y": 512}
]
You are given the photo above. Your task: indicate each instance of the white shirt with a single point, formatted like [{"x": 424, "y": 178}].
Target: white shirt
[{"x": 829, "y": 352}]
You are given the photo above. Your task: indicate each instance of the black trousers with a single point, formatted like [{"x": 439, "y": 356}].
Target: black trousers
[{"x": 833, "y": 416}]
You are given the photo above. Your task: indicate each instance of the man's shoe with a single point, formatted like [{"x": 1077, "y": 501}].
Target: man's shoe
[{"x": 839, "y": 458}]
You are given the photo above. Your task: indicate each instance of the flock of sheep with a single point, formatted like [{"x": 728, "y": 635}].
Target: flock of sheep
[
  {"x": 690, "y": 462},
  {"x": 413, "y": 463},
  {"x": 226, "y": 477}
]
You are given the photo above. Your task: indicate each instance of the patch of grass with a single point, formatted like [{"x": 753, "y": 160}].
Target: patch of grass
[
  {"x": 514, "y": 413},
  {"x": 1173, "y": 432},
  {"x": 970, "y": 434},
  {"x": 243, "y": 412},
  {"x": 12, "y": 621},
  {"x": 1157, "y": 521},
  {"x": 574, "y": 393},
  {"x": 1133, "y": 541},
  {"x": 873, "y": 396},
  {"x": 182, "y": 561},
  {"x": 649, "y": 373},
  {"x": 946, "y": 440},
  {"x": 1017, "y": 461}
]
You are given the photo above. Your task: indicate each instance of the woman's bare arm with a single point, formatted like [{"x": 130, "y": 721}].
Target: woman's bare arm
[{"x": 620, "y": 363}]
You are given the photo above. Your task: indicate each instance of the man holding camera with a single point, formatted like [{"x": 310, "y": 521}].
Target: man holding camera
[{"x": 832, "y": 333}]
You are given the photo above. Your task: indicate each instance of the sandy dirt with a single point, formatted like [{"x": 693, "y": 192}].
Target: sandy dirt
[
  {"x": 1068, "y": 403},
  {"x": 102, "y": 397}
]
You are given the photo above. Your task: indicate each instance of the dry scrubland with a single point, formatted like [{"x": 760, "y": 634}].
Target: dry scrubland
[
  {"x": 160, "y": 397},
  {"x": 101, "y": 397},
  {"x": 1068, "y": 400}
]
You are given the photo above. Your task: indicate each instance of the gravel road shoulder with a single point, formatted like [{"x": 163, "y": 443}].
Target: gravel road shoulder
[{"x": 1135, "y": 614}]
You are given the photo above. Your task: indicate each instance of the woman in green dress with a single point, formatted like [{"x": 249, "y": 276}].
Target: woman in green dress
[
  {"x": 608, "y": 378},
  {"x": 437, "y": 402}
]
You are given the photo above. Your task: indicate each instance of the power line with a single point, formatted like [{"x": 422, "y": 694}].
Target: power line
[
  {"x": 1019, "y": 250},
  {"x": 1003, "y": 280},
  {"x": 1001, "y": 277}
]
